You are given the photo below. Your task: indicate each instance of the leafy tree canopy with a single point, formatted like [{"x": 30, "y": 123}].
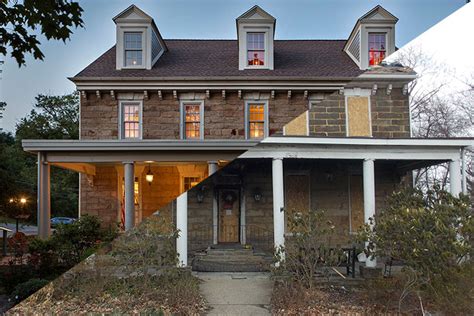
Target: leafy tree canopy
[
  {"x": 53, "y": 117},
  {"x": 20, "y": 22}
]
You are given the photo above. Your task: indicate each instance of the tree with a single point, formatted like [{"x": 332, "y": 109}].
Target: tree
[
  {"x": 19, "y": 21},
  {"x": 432, "y": 234},
  {"x": 438, "y": 110},
  {"x": 54, "y": 117}
]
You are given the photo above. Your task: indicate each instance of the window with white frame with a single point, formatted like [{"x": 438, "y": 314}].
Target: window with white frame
[
  {"x": 377, "y": 48},
  {"x": 192, "y": 120},
  {"x": 130, "y": 124},
  {"x": 256, "y": 122},
  {"x": 133, "y": 49},
  {"x": 256, "y": 49}
]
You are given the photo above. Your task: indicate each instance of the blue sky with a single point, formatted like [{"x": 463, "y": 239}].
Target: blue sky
[{"x": 296, "y": 19}]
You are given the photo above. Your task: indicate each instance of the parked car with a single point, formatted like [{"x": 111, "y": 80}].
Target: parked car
[{"x": 55, "y": 221}]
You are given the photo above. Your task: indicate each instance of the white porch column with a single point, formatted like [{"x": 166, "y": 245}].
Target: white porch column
[
  {"x": 182, "y": 226},
  {"x": 212, "y": 167},
  {"x": 129, "y": 183},
  {"x": 455, "y": 177},
  {"x": 369, "y": 199},
  {"x": 44, "y": 197},
  {"x": 464, "y": 171},
  {"x": 278, "y": 203}
]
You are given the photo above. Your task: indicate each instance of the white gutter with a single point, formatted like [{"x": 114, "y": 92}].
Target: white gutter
[
  {"x": 37, "y": 145},
  {"x": 449, "y": 142}
]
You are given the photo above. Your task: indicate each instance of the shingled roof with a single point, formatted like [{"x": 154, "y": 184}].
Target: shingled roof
[{"x": 311, "y": 59}]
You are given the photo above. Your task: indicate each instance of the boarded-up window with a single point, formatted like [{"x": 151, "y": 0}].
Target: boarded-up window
[
  {"x": 298, "y": 126},
  {"x": 297, "y": 192},
  {"x": 358, "y": 119}
]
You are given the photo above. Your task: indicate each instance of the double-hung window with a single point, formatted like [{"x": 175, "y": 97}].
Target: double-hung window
[
  {"x": 192, "y": 120},
  {"x": 377, "y": 48},
  {"x": 133, "y": 49},
  {"x": 256, "y": 120},
  {"x": 130, "y": 125},
  {"x": 256, "y": 49}
]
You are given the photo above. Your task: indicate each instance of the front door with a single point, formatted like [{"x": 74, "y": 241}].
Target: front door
[{"x": 229, "y": 213}]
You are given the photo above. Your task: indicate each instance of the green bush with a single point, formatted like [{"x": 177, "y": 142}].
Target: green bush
[
  {"x": 308, "y": 252},
  {"x": 432, "y": 234},
  {"x": 25, "y": 289},
  {"x": 69, "y": 244}
]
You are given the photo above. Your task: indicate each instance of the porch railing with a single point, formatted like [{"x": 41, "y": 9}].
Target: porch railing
[
  {"x": 260, "y": 237},
  {"x": 200, "y": 236}
]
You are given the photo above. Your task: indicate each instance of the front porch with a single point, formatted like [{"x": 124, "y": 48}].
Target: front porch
[
  {"x": 247, "y": 202},
  {"x": 122, "y": 182}
]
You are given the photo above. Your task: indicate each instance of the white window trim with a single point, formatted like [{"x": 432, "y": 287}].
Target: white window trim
[
  {"x": 265, "y": 50},
  {"x": 120, "y": 120},
  {"x": 120, "y": 47},
  {"x": 268, "y": 38},
  {"x": 385, "y": 33},
  {"x": 143, "y": 64},
  {"x": 182, "y": 132},
  {"x": 265, "y": 112},
  {"x": 357, "y": 92}
]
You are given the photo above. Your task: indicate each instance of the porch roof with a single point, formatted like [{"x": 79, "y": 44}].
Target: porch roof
[
  {"x": 306, "y": 147},
  {"x": 137, "y": 150}
]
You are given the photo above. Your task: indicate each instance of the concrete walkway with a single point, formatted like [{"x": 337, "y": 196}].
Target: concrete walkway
[{"x": 237, "y": 293}]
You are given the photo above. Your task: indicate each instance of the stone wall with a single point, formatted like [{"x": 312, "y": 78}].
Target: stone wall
[
  {"x": 99, "y": 197},
  {"x": 223, "y": 118},
  {"x": 389, "y": 115},
  {"x": 163, "y": 189}
]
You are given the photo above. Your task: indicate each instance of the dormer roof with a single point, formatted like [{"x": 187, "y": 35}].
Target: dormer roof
[
  {"x": 256, "y": 15},
  {"x": 134, "y": 14},
  {"x": 378, "y": 13}
]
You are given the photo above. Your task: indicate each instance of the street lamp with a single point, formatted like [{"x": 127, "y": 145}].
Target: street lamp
[{"x": 22, "y": 202}]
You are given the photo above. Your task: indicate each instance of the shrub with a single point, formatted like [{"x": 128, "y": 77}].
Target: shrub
[
  {"x": 430, "y": 233},
  {"x": 308, "y": 251},
  {"x": 25, "y": 289},
  {"x": 69, "y": 244}
]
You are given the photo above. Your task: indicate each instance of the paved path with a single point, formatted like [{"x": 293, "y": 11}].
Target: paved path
[{"x": 237, "y": 293}]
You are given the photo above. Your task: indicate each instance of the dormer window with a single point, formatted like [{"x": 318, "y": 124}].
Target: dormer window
[
  {"x": 372, "y": 39},
  {"x": 133, "y": 49},
  {"x": 255, "y": 34},
  {"x": 139, "y": 43},
  {"x": 377, "y": 48},
  {"x": 256, "y": 49}
]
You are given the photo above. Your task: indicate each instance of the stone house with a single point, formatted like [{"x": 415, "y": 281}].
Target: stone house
[{"x": 293, "y": 124}]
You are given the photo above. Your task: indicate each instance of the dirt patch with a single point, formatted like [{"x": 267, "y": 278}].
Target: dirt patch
[{"x": 294, "y": 299}]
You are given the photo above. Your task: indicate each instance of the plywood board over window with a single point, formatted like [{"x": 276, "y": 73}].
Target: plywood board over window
[
  {"x": 297, "y": 194},
  {"x": 358, "y": 116},
  {"x": 298, "y": 126}
]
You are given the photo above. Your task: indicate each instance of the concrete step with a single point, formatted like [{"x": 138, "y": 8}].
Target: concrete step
[{"x": 231, "y": 260}]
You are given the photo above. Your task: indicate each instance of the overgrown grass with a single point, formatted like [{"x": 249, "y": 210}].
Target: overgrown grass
[{"x": 136, "y": 273}]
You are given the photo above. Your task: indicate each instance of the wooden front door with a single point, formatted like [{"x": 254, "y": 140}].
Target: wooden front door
[{"x": 229, "y": 213}]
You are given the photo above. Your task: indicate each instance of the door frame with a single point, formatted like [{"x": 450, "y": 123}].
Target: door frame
[{"x": 217, "y": 191}]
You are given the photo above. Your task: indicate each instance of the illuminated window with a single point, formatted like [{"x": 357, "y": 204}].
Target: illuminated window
[
  {"x": 192, "y": 120},
  {"x": 190, "y": 182},
  {"x": 133, "y": 49},
  {"x": 256, "y": 49},
  {"x": 130, "y": 120},
  {"x": 256, "y": 120},
  {"x": 377, "y": 48}
]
